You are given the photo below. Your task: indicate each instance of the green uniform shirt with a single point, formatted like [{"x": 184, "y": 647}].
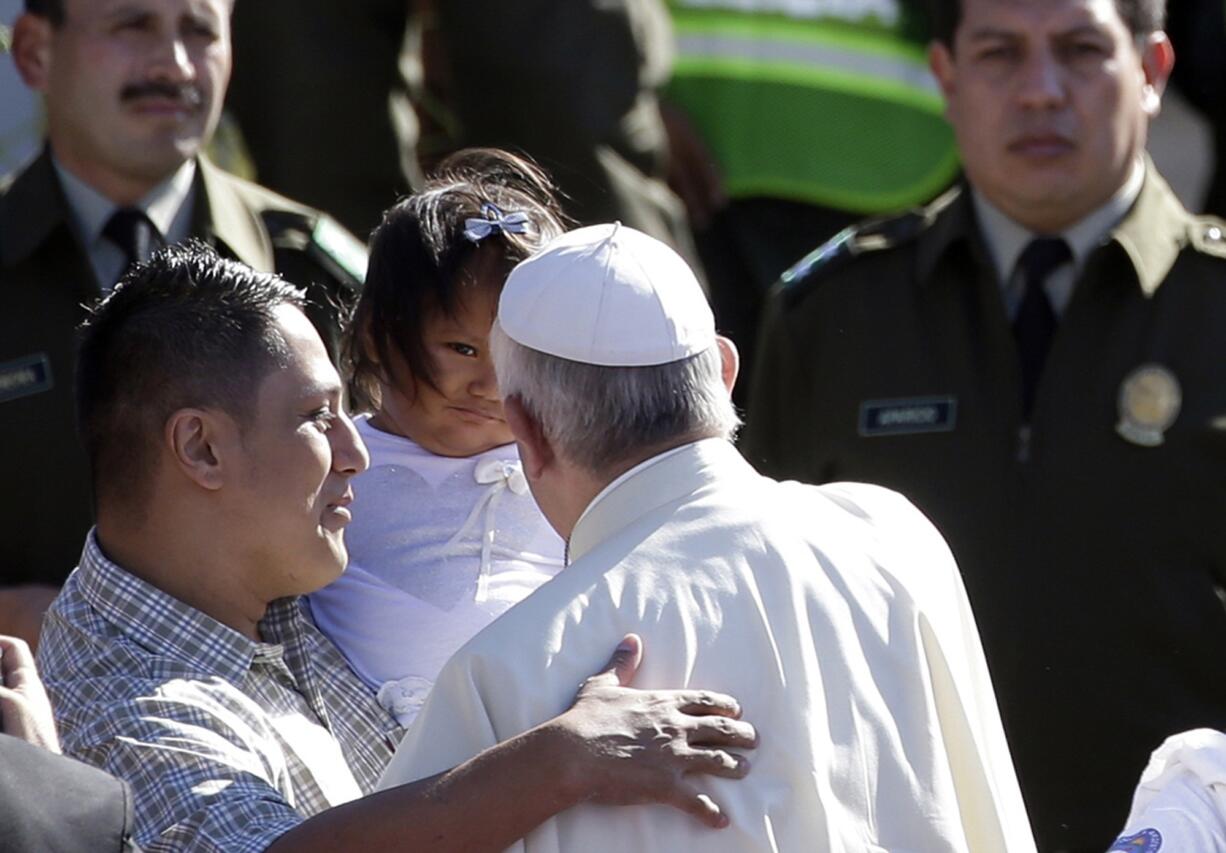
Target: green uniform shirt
[
  {"x": 46, "y": 279},
  {"x": 1095, "y": 563}
]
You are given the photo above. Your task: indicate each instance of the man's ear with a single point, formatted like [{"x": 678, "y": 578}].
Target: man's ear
[
  {"x": 200, "y": 443},
  {"x": 730, "y": 361},
  {"x": 1157, "y": 61},
  {"x": 941, "y": 61},
  {"x": 535, "y": 451},
  {"x": 31, "y": 50}
]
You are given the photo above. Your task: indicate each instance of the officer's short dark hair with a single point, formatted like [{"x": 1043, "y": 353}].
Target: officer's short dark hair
[
  {"x": 1142, "y": 17},
  {"x": 421, "y": 262},
  {"x": 52, "y": 10},
  {"x": 185, "y": 329}
]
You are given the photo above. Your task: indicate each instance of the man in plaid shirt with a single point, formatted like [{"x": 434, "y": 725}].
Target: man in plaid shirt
[{"x": 177, "y": 656}]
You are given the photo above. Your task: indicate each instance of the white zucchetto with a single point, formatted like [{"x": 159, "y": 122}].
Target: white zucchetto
[{"x": 607, "y": 295}]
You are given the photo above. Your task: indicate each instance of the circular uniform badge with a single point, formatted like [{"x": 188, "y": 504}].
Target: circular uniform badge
[{"x": 1149, "y": 402}]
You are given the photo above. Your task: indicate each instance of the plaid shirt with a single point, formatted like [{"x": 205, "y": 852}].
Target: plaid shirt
[{"x": 227, "y": 743}]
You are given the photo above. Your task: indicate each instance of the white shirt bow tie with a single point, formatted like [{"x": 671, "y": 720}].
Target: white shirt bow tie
[{"x": 510, "y": 474}]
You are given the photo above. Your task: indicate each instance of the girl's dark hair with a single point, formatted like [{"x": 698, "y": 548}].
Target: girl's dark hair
[{"x": 421, "y": 262}]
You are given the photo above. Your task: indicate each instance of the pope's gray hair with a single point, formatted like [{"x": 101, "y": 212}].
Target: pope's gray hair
[{"x": 597, "y": 417}]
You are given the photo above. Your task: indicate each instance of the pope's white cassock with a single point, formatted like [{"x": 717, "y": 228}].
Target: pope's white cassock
[{"x": 835, "y": 615}]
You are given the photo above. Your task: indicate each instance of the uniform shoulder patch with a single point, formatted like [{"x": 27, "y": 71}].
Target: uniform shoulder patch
[
  {"x": 1146, "y": 841},
  {"x": 322, "y": 239},
  {"x": 1208, "y": 235},
  {"x": 848, "y": 244},
  {"x": 342, "y": 247}
]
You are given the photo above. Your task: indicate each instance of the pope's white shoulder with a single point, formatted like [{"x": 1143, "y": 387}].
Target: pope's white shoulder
[{"x": 899, "y": 539}]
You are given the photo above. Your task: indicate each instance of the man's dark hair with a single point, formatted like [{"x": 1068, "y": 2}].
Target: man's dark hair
[
  {"x": 185, "y": 329},
  {"x": 52, "y": 10},
  {"x": 1142, "y": 17}
]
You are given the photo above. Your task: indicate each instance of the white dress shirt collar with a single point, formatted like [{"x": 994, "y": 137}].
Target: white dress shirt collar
[
  {"x": 168, "y": 206},
  {"x": 1006, "y": 239}
]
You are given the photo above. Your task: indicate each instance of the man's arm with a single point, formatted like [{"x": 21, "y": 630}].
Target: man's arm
[
  {"x": 615, "y": 746},
  {"x": 48, "y": 802}
]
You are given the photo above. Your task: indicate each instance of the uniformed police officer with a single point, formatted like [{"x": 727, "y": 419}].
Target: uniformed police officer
[
  {"x": 764, "y": 93},
  {"x": 132, "y": 90},
  {"x": 1037, "y": 360}
]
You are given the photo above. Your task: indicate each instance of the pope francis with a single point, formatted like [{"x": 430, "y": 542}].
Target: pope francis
[{"x": 836, "y": 614}]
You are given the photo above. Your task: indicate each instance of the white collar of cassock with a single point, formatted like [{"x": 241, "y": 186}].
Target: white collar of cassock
[{"x": 656, "y": 481}]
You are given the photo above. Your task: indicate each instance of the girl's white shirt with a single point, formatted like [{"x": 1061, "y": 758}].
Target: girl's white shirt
[{"x": 438, "y": 548}]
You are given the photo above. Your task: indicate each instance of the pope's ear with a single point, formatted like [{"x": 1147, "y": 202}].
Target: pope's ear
[
  {"x": 200, "y": 443},
  {"x": 31, "y": 49},
  {"x": 729, "y": 360},
  {"x": 535, "y": 451}
]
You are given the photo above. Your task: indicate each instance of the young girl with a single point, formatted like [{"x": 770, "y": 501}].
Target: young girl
[{"x": 445, "y": 535}]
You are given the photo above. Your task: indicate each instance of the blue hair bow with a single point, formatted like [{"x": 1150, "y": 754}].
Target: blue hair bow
[{"x": 495, "y": 221}]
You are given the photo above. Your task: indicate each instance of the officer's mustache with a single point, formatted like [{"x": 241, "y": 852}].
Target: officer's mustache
[{"x": 187, "y": 94}]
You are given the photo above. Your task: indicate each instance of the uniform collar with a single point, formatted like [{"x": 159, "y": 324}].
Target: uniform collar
[
  {"x": 948, "y": 222},
  {"x": 1152, "y": 232},
  {"x": 91, "y": 210},
  {"x": 222, "y": 216},
  {"x": 31, "y": 210},
  {"x": 1006, "y": 239},
  {"x": 35, "y": 205}
]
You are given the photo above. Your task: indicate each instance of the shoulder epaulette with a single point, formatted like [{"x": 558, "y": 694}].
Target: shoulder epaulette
[
  {"x": 323, "y": 239},
  {"x": 1208, "y": 235},
  {"x": 848, "y": 244},
  {"x": 341, "y": 247}
]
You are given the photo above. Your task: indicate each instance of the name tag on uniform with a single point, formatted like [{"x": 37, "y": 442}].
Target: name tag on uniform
[
  {"x": 907, "y": 416},
  {"x": 22, "y": 377}
]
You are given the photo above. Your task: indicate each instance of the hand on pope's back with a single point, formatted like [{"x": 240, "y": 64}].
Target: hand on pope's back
[{"x": 646, "y": 746}]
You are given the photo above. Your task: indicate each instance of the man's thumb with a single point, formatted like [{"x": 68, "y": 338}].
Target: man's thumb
[{"x": 626, "y": 659}]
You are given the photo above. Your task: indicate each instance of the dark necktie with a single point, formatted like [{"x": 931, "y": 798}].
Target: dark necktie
[
  {"x": 130, "y": 229},
  {"x": 1035, "y": 324}
]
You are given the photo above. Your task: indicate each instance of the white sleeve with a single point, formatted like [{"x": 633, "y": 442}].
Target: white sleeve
[
  {"x": 911, "y": 550},
  {"x": 1180, "y": 803}
]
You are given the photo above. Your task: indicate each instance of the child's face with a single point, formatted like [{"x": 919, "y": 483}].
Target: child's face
[{"x": 463, "y": 416}]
